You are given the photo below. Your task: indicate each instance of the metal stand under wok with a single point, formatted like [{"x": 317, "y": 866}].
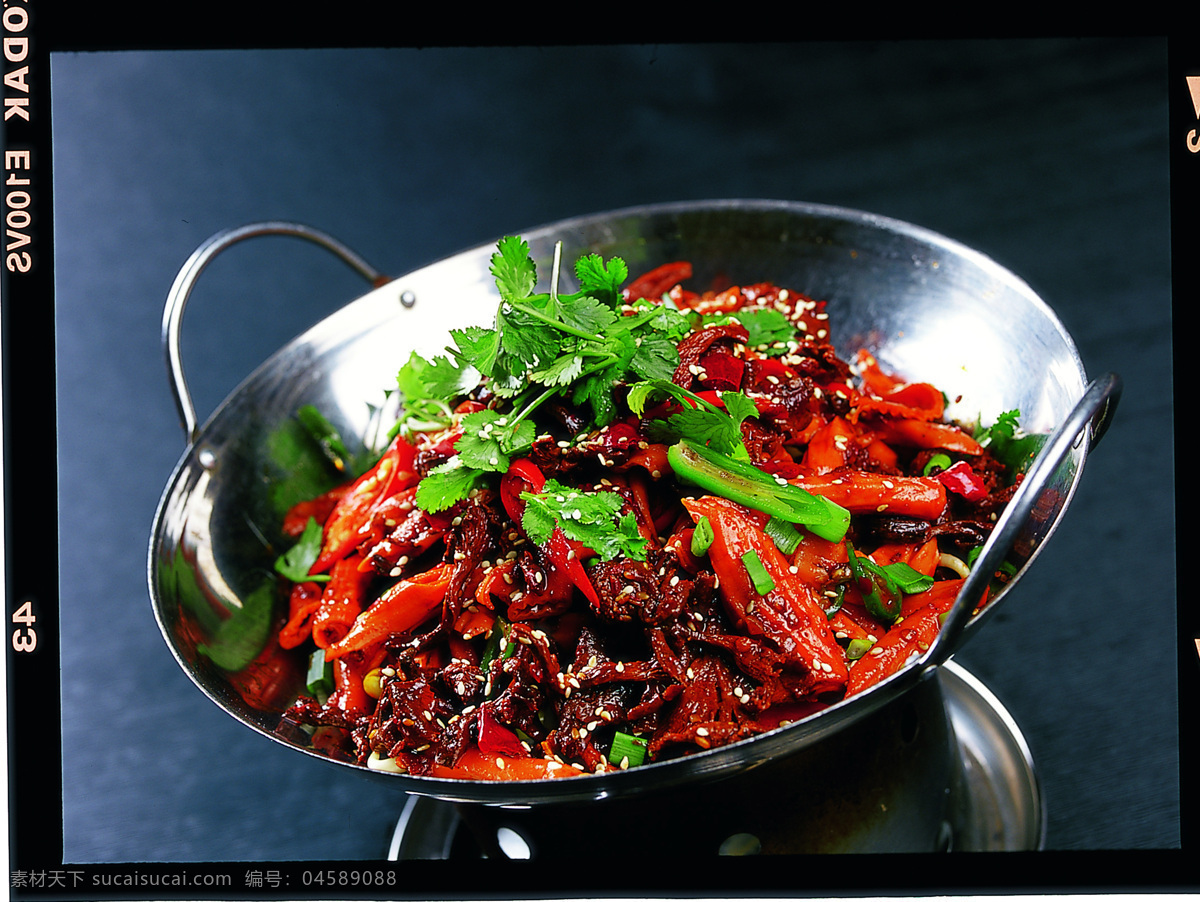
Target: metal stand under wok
[{"x": 944, "y": 768}]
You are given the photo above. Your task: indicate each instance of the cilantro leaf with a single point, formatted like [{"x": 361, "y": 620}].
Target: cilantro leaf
[
  {"x": 700, "y": 422},
  {"x": 1005, "y": 427},
  {"x": 593, "y": 518},
  {"x": 765, "y": 325},
  {"x": 513, "y": 269},
  {"x": 477, "y": 347},
  {"x": 429, "y": 388},
  {"x": 600, "y": 280},
  {"x": 587, "y": 314},
  {"x": 295, "y": 563},
  {"x": 447, "y": 484},
  {"x": 596, "y": 392},
  {"x": 525, "y": 337},
  {"x": 489, "y": 437},
  {"x": 565, "y": 369},
  {"x": 577, "y": 346},
  {"x": 655, "y": 358},
  {"x": 1009, "y": 444}
]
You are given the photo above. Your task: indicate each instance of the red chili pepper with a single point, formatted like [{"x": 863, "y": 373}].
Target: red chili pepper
[
  {"x": 861, "y": 492},
  {"x": 475, "y": 765},
  {"x": 394, "y": 472},
  {"x": 763, "y": 367},
  {"x": 654, "y": 284},
  {"x": 962, "y": 480},
  {"x": 830, "y": 447},
  {"x": 341, "y": 602},
  {"x": 319, "y": 509},
  {"x": 497, "y": 739},
  {"x": 522, "y": 476},
  {"x": 908, "y": 638},
  {"x": 789, "y": 612},
  {"x": 618, "y": 436},
  {"x": 565, "y": 558},
  {"x": 722, "y": 371},
  {"x": 400, "y": 609}
]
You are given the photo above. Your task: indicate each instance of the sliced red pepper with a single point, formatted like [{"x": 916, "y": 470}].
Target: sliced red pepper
[
  {"x": 962, "y": 480},
  {"x": 394, "y": 472},
  {"x": 874, "y": 379},
  {"x": 658, "y": 281},
  {"x": 565, "y": 558},
  {"x": 319, "y": 509},
  {"x": 815, "y": 559},
  {"x": 789, "y": 613},
  {"x": 400, "y": 609},
  {"x": 883, "y": 454},
  {"x": 341, "y": 602},
  {"x": 925, "y": 434},
  {"x": 922, "y": 557},
  {"x": 722, "y": 371},
  {"x": 845, "y": 626},
  {"x": 908, "y": 638},
  {"x": 918, "y": 400},
  {"x": 475, "y": 765},
  {"x": 348, "y": 693},
  {"x": 726, "y": 301},
  {"x": 303, "y": 603},
  {"x": 523, "y": 476},
  {"x": 497, "y": 739},
  {"x": 618, "y": 436},
  {"x": 940, "y": 596},
  {"x": 829, "y": 448},
  {"x": 869, "y": 493},
  {"x": 652, "y": 458}
]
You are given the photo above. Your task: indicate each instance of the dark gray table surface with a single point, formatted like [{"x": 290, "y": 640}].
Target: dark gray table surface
[{"x": 1049, "y": 155}]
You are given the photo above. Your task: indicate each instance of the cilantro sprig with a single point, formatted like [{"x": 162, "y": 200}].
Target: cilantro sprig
[
  {"x": 700, "y": 421},
  {"x": 577, "y": 346},
  {"x": 1010, "y": 444},
  {"x": 594, "y": 518}
]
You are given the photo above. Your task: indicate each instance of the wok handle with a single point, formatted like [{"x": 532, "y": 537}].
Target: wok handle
[
  {"x": 1095, "y": 410},
  {"x": 185, "y": 280}
]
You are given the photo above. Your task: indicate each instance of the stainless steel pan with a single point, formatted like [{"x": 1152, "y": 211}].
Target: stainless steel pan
[{"x": 929, "y": 309}]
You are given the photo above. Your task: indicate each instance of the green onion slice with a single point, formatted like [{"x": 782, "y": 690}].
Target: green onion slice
[
  {"x": 937, "y": 462},
  {"x": 758, "y": 573},
  {"x": 857, "y": 648},
  {"x": 702, "y": 537},
  {"x": 785, "y": 536},
  {"x": 627, "y": 751},
  {"x": 319, "y": 679}
]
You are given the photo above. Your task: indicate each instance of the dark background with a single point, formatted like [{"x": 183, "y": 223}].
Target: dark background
[{"x": 1049, "y": 155}]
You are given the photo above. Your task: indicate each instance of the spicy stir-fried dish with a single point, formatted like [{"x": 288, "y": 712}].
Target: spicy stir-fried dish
[{"x": 626, "y": 524}]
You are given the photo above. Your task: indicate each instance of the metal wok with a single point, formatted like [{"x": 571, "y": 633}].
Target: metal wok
[{"x": 929, "y": 309}]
